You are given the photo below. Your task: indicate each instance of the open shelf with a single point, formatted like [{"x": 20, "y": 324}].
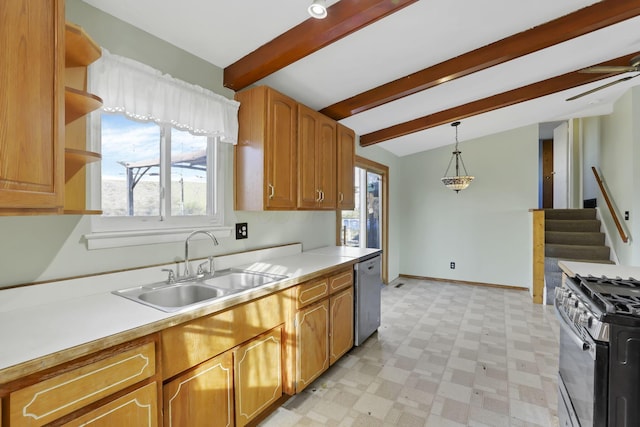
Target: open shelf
[
  {"x": 80, "y": 49},
  {"x": 79, "y": 103}
]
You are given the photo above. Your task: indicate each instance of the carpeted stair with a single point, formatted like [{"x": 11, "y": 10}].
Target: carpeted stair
[{"x": 573, "y": 235}]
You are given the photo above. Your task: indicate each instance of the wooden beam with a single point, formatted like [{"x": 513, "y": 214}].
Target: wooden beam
[
  {"x": 581, "y": 22},
  {"x": 343, "y": 18},
  {"x": 504, "y": 99}
]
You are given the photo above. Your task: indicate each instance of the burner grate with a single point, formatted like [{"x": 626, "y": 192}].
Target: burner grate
[{"x": 613, "y": 295}]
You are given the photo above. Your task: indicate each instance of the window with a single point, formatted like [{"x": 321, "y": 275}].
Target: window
[{"x": 163, "y": 157}]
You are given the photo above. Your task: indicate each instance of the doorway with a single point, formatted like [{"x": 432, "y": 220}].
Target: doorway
[
  {"x": 366, "y": 226},
  {"x": 547, "y": 174}
]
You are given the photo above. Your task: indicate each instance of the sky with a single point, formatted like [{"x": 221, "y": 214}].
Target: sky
[{"x": 125, "y": 140}]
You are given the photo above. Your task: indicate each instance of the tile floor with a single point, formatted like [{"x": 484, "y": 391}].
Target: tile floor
[{"x": 446, "y": 355}]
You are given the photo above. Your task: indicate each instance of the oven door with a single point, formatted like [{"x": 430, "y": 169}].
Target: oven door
[{"x": 583, "y": 373}]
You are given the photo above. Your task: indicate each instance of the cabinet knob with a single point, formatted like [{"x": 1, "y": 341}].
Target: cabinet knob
[
  {"x": 272, "y": 191},
  {"x": 319, "y": 199},
  {"x": 341, "y": 197}
]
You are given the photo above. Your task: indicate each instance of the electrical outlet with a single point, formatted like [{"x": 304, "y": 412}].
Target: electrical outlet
[
  {"x": 242, "y": 230},
  {"x": 452, "y": 265}
]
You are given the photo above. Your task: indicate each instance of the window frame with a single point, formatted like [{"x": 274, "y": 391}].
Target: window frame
[{"x": 112, "y": 232}]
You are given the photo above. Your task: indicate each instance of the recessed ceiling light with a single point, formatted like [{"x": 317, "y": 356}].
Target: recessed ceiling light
[{"x": 318, "y": 9}]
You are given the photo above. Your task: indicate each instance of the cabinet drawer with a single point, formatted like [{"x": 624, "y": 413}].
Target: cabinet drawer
[
  {"x": 50, "y": 399},
  {"x": 138, "y": 408},
  {"x": 312, "y": 291},
  {"x": 341, "y": 281}
]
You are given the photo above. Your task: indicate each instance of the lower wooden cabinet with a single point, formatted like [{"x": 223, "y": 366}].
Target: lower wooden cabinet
[
  {"x": 258, "y": 375},
  {"x": 202, "y": 396},
  {"x": 312, "y": 337},
  {"x": 138, "y": 408},
  {"x": 73, "y": 389},
  {"x": 324, "y": 329},
  {"x": 341, "y": 324}
]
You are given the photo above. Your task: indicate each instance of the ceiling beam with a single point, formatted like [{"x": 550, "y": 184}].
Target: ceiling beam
[
  {"x": 504, "y": 99},
  {"x": 581, "y": 22},
  {"x": 344, "y": 18}
]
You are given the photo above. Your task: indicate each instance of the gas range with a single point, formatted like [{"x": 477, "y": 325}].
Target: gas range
[
  {"x": 592, "y": 303},
  {"x": 599, "y": 358}
]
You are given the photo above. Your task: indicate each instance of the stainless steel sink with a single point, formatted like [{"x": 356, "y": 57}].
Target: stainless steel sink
[
  {"x": 238, "y": 280},
  {"x": 197, "y": 291}
]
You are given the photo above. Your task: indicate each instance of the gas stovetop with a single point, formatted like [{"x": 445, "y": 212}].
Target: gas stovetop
[{"x": 612, "y": 295}]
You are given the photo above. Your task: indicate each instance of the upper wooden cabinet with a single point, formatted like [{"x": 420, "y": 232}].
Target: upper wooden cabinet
[
  {"x": 31, "y": 106},
  {"x": 266, "y": 154},
  {"x": 316, "y": 160},
  {"x": 346, "y": 165},
  {"x": 289, "y": 156}
]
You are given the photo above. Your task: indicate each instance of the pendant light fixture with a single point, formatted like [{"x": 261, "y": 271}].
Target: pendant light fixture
[
  {"x": 457, "y": 182},
  {"x": 318, "y": 9}
]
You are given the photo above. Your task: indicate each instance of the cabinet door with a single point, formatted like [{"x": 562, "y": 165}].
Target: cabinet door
[
  {"x": 346, "y": 166},
  {"x": 202, "y": 396},
  {"x": 308, "y": 186},
  {"x": 341, "y": 332},
  {"x": 326, "y": 162},
  {"x": 138, "y": 408},
  {"x": 258, "y": 375},
  {"x": 312, "y": 336},
  {"x": 280, "y": 152},
  {"x": 31, "y": 105}
]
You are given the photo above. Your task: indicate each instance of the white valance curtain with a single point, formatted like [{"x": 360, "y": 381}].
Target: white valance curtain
[{"x": 144, "y": 93}]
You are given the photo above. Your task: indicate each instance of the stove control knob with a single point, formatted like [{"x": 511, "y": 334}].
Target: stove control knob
[{"x": 585, "y": 320}]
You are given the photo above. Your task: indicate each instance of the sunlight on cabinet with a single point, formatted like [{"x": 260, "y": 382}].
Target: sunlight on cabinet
[
  {"x": 258, "y": 375},
  {"x": 207, "y": 388}
]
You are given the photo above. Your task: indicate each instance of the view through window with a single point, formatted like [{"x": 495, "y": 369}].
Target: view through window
[
  {"x": 361, "y": 227},
  {"x": 138, "y": 181}
]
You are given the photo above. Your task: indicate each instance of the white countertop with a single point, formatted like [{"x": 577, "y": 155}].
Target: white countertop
[
  {"x": 572, "y": 268},
  {"x": 344, "y": 251},
  {"x": 40, "y": 321}
]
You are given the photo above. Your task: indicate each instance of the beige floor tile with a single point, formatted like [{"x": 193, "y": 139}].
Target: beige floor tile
[{"x": 490, "y": 362}]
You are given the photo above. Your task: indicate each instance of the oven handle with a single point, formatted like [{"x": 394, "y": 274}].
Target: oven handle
[{"x": 567, "y": 325}]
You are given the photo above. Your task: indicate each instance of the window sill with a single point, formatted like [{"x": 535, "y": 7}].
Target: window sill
[{"x": 118, "y": 239}]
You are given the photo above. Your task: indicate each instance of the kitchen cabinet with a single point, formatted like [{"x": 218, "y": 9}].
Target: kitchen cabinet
[
  {"x": 341, "y": 324},
  {"x": 265, "y": 158},
  {"x": 346, "y": 163},
  {"x": 72, "y": 387},
  {"x": 316, "y": 160},
  {"x": 258, "y": 375},
  {"x": 202, "y": 396},
  {"x": 80, "y": 51},
  {"x": 238, "y": 353},
  {"x": 138, "y": 408},
  {"x": 323, "y": 325},
  {"x": 31, "y": 107}
]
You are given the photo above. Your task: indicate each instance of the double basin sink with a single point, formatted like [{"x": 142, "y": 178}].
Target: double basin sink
[{"x": 197, "y": 291}]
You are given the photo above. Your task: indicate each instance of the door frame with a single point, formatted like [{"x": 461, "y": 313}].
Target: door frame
[{"x": 383, "y": 171}]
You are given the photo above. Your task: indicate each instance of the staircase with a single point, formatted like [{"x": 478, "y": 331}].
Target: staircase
[{"x": 572, "y": 235}]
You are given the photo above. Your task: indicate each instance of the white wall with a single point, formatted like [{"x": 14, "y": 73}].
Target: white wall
[
  {"x": 590, "y": 155},
  {"x": 485, "y": 229},
  {"x": 619, "y": 151}
]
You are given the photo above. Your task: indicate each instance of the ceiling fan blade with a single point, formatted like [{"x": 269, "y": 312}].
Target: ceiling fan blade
[
  {"x": 624, "y": 79},
  {"x": 609, "y": 69}
]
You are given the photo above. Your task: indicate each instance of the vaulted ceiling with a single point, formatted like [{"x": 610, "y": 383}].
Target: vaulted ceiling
[{"x": 400, "y": 71}]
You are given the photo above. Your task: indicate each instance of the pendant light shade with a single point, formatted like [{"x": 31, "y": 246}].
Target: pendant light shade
[
  {"x": 457, "y": 182},
  {"x": 318, "y": 9}
]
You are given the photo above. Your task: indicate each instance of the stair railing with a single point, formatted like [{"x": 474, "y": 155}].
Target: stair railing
[{"x": 607, "y": 199}]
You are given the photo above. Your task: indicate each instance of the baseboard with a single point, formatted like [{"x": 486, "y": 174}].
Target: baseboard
[{"x": 464, "y": 282}]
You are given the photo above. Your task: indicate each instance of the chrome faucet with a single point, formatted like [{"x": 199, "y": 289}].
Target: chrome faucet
[{"x": 187, "y": 273}]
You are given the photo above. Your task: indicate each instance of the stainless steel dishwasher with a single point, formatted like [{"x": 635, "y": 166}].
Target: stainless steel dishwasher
[{"x": 368, "y": 286}]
